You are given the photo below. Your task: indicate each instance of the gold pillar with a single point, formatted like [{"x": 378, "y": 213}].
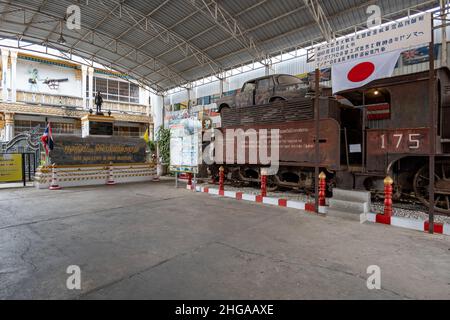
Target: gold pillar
[{"x": 9, "y": 126}]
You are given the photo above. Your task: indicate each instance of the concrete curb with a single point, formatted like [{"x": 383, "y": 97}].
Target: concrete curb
[
  {"x": 412, "y": 224},
  {"x": 255, "y": 198}
]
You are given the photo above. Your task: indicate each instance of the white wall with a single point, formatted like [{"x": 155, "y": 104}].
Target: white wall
[
  {"x": 157, "y": 104},
  {"x": 69, "y": 88},
  {"x": 237, "y": 81},
  {"x": 294, "y": 66},
  {"x": 206, "y": 89},
  {"x": 179, "y": 97}
]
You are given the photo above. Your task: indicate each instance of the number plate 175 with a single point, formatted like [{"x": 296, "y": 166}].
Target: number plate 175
[{"x": 398, "y": 141}]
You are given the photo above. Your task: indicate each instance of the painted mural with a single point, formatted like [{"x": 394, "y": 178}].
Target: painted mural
[{"x": 39, "y": 77}]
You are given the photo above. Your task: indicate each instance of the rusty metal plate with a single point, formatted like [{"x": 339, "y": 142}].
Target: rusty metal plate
[
  {"x": 384, "y": 144},
  {"x": 297, "y": 142},
  {"x": 398, "y": 141}
]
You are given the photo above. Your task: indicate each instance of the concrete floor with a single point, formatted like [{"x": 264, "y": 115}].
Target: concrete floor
[{"x": 150, "y": 241}]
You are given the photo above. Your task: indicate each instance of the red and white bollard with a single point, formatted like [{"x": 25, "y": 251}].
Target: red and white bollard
[
  {"x": 388, "y": 196},
  {"x": 221, "y": 179},
  {"x": 322, "y": 189},
  {"x": 263, "y": 182},
  {"x": 54, "y": 185},
  {"x": 111, "y": 181},
  {"x": 189, "y": 179},
  {"x": 155, "y": 177}
]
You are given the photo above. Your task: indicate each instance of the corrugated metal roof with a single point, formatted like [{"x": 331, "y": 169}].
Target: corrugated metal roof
[{"x": 165, "y": 43}]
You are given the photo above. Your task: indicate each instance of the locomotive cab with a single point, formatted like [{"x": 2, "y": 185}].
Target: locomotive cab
[
  {"x": 396, "y": 121},
  {"x": 365, "y": 134}
]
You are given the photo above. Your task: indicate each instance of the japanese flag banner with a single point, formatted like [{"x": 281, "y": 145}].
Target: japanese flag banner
[{"x": 357, "y": 73}]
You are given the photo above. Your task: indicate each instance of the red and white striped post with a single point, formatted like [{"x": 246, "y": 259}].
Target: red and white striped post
[
  {"x": 322, "y": 189},
  {"x": 54, "y": 185},
  {"x": 155, "y": 177},
  {"x": 189, "y": 179},
  {"x": 388, "y": 196},
  {"x": 263, "y": 182},
  {"x": 221, "y": 178},
  {"x": 111, "y": 181}
]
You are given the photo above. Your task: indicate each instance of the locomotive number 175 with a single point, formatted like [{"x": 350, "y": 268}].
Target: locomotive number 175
[
  {"x": 399, "y": 140},
  {"x": 413, "y": 140}
]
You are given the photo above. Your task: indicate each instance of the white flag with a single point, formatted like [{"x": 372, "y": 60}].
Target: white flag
[{"x": 359, "y": 72}]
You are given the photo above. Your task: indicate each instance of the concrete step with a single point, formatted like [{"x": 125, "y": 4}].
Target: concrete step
[
  {"x": 349, "y": 206},
  {"x": 351, "y": 195},
  {"x": 360, "y": 217}
]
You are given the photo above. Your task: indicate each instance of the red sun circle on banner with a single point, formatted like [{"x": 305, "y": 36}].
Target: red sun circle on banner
[{"x": 361, "y": 72}]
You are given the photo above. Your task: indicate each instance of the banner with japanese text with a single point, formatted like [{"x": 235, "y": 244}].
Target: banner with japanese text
[{"x": 412, "y": 32}]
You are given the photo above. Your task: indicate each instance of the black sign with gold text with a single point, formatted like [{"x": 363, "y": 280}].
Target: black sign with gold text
[{"x": 69, "y": 150}]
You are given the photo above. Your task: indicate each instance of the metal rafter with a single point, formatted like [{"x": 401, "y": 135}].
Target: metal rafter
[
  {"x": 146, "y": 42},
  {"x": 308, "y": 43},
  {"x": 41, "y": 6},
  {"x": 198, "y": 34},
  {"x": 161, "y": 67},
  {"x": 294, "y": 31},
  {"x": 98, "y": 36},
  {"x": 309, "y": 25},
  {"x": 119, "y": 67},
  {"x": 106, "y": 17},
  {"x": 6, "y": 10},
  {"x": 156, "y": 29},
  {"x": 136, "y": 24},
  {"x": 141, "y": 81},
  {"x": 247, "y": 31},
  {"x": 209, "y": 29},
  {"x": 321, "y": 19},
  {"x": 229, "y": 24},
  {"x": 98, "y": 42}
]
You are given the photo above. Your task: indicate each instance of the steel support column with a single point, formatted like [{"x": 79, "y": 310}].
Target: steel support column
[
  {"x": 317, "y": 142},
  {"x": 433, "y": 132}
]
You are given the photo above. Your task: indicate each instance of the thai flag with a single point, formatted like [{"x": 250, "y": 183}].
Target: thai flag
[
  {"x": 47, "y": 139},
  {"x": 379, "y": 111}
]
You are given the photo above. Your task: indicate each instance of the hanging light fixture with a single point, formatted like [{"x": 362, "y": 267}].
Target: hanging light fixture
[{"x": 61, "y": 39}]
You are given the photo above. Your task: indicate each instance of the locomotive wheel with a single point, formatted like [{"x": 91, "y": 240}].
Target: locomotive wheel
[
  {"x": 442, "y": 186},
  {"x": 271, "y": 184}
]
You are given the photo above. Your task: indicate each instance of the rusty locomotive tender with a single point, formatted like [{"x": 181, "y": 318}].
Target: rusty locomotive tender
[{"x": 365, "y": 134}]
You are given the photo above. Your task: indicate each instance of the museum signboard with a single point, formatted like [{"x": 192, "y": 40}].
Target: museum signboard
[
  {"x": 296, "y": 142},
  {"x": 70, "y": 150},
  {"x": 412, "y": 32}
]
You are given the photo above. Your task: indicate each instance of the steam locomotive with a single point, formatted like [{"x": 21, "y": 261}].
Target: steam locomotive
[{"x": 365, "y": 134}]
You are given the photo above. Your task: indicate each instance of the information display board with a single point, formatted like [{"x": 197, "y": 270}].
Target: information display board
[
  {"x": 186, "y": 128},
  {"x": 184, "y": 143},
  {"x": 72, "y": 150},
  {"x": 11, "y": 167},
  {"x": 185, "y": 137}
]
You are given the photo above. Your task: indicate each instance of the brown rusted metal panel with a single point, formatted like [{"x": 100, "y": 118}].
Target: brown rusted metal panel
[
  {"x": 297, "y": 142},
  {"x": 279, "y": 112},
  {"x": 384, "y": 142}
]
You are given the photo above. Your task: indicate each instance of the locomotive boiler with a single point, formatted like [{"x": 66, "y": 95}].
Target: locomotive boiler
[{"x": 365, "y": 134}]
